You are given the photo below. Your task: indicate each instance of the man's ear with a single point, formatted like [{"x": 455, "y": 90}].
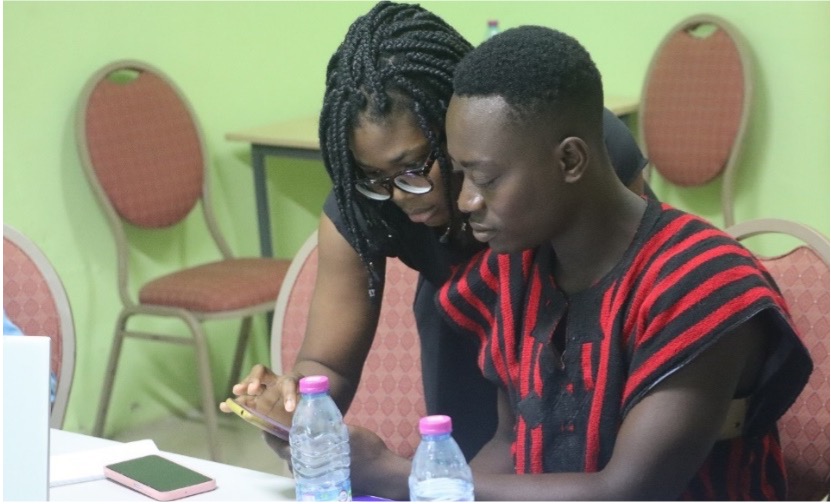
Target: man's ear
[{"x": 574, "y": 158}]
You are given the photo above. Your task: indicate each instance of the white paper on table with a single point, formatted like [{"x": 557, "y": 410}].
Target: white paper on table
[{"x": 88, "y": 465}]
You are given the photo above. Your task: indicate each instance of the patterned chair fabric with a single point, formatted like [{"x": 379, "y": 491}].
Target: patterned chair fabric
[
  {"x": 150, "y": 166},
  {"x": 221, "y": 286},
  {"x": 390, "y": 397},
  {"x": 803, "y": 276},
  {"x": 143, "y": 153},
  {"x": 694, "y": 105},
  {"x": 35, "y": 300}
]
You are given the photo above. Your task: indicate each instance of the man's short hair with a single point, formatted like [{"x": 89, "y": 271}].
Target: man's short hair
[{"x": 538, "y": 71}]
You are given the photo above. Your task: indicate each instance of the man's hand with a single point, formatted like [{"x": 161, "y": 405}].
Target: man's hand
[
  {"x": 375, "y": 470},
  {"x": 280, "y": 447}
]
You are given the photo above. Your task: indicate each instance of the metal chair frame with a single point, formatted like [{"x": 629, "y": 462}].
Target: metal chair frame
[{"x": 191, "y": 319}]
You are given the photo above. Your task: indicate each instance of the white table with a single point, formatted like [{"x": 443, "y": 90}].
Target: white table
[{"x": 233, "y": 483}]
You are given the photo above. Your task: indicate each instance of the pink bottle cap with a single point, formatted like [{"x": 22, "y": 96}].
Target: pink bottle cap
[
  {"x": 314, "y": 384},
  {"x": 435, "y": 424}
]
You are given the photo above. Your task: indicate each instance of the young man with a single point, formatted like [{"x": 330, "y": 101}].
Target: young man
[
  {"x": 640, "y": 353},
  {"x": 393, "y": 195}
]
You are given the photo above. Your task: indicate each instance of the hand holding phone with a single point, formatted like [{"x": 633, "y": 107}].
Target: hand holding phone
[
  {"x": 258, "y": 419},
  {"x": 159, "y": 478}
]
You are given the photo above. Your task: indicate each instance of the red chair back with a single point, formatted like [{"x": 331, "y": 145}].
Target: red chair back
[
  {"x": 695, "y": 103},
  {"x": 35, "y": 300},
  {"x": 802, "y": 275},
  {"x": 144, "y": 145},
  {"x": 390, "y": 398}
]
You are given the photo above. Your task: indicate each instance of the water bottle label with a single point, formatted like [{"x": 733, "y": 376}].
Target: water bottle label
[
  {"x": 441, "y": 489},
  {"x": 337, "y": 493}
]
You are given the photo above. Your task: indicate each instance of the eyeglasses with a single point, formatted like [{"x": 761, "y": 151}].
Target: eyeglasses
[{"x": 414, "y": 181}]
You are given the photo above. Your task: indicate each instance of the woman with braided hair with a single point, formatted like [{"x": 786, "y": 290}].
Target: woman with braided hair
[{"x": 382, "y": 137}]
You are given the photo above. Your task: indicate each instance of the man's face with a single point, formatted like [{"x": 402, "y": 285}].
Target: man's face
[{"x": 513, "y": 187}]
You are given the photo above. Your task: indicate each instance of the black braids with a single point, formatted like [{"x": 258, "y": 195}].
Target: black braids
[
  {"x": 343, "y": 186},
  {"x": 395, "y": 57},
  {"x": 445, "y": 167},
  {"x": 335, "y": 155},
  {"x": 379, "y": 14},
  {"x": 331, "y": 154},
  {"x": 435, "y": 43},
  {"x": 408, "y": 72},
  {"x": 407, "y": 81},
  {"x": 423, "y": 68},
  {"x": 359, "y": 60},
  {"x": 420, "y": 97},
  {"x": 422, "y": 21},
  {"x": 424, "y": 125},
  {"x": 435, "y": 111},
  {"x": 434, "y": 57},
  {"x": 437, "y": 47},
  {"x": 430, "y": 29},
  {"x": 346, "y": 177}
]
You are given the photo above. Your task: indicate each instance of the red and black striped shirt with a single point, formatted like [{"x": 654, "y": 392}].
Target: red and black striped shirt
[{"x": 680, "y": 286}]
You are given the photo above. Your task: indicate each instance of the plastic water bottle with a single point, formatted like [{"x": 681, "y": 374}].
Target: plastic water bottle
[
  {"x": 439, "y": 472},
  {"x": 493, "y": 28},
  {"x": 319, "y": 445}
]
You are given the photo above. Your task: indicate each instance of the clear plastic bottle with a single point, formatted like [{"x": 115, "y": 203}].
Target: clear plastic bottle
[
  {"x": 493, "y": 28},
  {"x": 319, "y": 445},
  {"x": 439, "y": 471}
]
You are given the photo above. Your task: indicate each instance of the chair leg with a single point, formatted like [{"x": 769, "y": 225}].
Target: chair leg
[
  {"x": 203, "y": 365},
  {"x": 239, "y": 354},
  {"x": 109, "y": 376}
]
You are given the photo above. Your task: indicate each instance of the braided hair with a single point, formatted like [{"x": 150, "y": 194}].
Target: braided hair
[{"x": 396, "y": 57}]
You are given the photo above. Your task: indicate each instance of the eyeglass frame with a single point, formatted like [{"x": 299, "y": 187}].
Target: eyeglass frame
[{"x": 389, "y": 183}]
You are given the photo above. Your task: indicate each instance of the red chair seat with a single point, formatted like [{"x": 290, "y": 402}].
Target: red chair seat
[{"x": 219, "y": 286}]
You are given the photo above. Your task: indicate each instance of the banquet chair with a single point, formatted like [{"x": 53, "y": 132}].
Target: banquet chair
[
  {"x": 144, "y": 156},
  {"x": 694, "y": 106},
  {"x": 35, "y": 300},
  {"x": 390, "y": 396},
  {"x": 802, "y": 275}
]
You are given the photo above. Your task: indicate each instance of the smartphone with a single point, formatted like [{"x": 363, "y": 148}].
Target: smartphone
[
  {"x": 159, "y": 478},
  {"x": 258, "y": 419}
]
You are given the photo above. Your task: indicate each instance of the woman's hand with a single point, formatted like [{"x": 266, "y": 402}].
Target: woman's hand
[{"x": 272, "y": 395}]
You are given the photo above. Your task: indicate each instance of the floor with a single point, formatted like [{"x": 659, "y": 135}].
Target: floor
[{"x": 242, "y": 444}]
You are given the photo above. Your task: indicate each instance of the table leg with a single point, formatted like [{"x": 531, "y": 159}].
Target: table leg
[{"x": 261, "y": 195}]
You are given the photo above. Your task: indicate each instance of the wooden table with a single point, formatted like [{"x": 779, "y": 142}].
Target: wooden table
[{"x": 298, "y": 139}]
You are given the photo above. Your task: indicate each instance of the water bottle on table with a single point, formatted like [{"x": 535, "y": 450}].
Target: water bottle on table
[
  {"x": 492, "y": 29},
  {"x": 319, "y": 445},
  {"x": 439, "y": 471}
]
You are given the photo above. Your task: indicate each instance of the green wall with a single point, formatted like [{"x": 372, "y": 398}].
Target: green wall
[{"x": 245, "y": 64}]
